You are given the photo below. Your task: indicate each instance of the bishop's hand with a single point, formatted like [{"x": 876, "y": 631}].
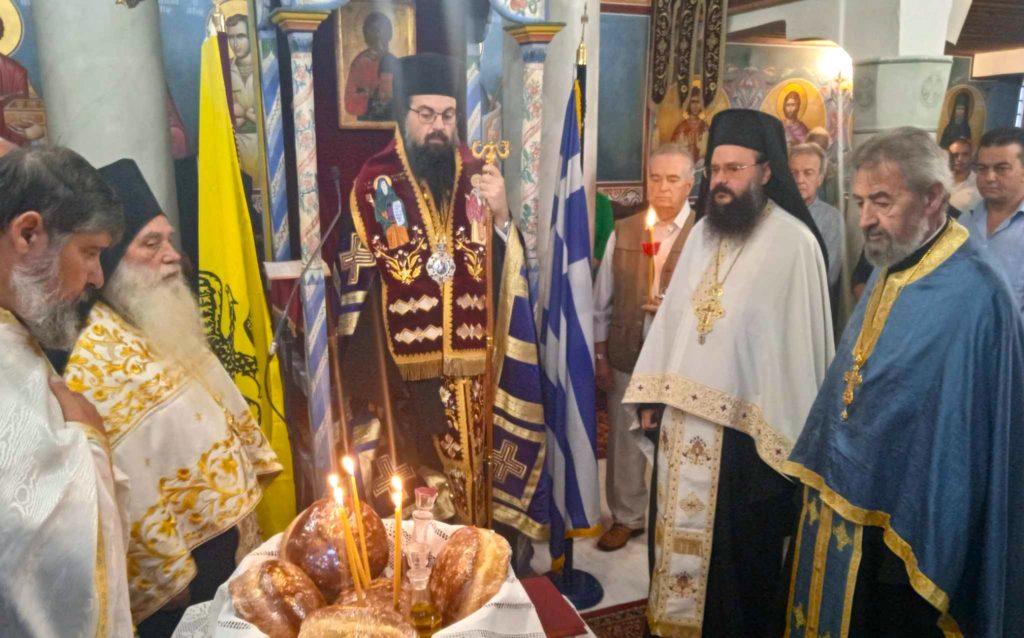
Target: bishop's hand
[
  {"x": 75, "y": 407},
  {"x": 492, "y": 189}
]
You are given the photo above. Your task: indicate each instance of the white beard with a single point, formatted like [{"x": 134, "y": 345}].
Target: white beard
[
  {"x": 164, "y": 310},
  {"x": 892, "y": 251},
  {"x": 54, "y": 322}
]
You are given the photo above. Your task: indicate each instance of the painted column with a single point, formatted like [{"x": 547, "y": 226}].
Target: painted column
[
  {"x": 112, "y": 102},
  {"x": 273, "y": 133},
  {"x": 474, "y": 94},
  {"x": 533, "y": 40},
  {"x": 300, "y": 25}
]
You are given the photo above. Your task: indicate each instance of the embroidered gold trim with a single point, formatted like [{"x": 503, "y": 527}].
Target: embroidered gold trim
[
  {"x": 102, "y": 586},
  {"x": 408, "y": 336},
  {"x": 715, "y": 406},
  {"x": 471, "y": 302},
  {"x": 403, "y": 307},
  {"x": 851, "y": 578},
  {"x": 922, "y": 584},
  {"x": 821, "y": 545},
  {"x": 799, "y": 616}
]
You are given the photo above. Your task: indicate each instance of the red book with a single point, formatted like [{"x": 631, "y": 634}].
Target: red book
[{"x": 557, "y": 616}]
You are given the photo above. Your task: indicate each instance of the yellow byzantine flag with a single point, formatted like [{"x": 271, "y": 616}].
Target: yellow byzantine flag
[{"x": 230, "y": 290}]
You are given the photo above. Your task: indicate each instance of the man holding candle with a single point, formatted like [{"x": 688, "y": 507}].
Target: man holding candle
[
  {"x": 62, "y": 556},
  {"x": 432, "y": 279},
  {"x": 729, "y": 369},
  {"x": 627, "y": 293},
  {"x": 178, "y": 426}
]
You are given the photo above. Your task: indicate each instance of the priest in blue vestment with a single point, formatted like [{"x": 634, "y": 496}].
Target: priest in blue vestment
[{"x": 912, "y": 457}]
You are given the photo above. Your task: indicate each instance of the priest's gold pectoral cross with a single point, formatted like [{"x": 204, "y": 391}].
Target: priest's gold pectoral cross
[
  {"x": 853, "y": 379},
  {"x": 708, "y": 312}
]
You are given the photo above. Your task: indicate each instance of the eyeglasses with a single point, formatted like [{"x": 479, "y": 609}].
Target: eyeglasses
[
  {"x": 1002, "y": 170},
  {"x": 729, "y": 170},
  {"x": 428, "y": 115}
]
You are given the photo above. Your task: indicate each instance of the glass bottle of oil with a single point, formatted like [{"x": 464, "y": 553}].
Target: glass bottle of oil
[{"x": 423, "y": 615}]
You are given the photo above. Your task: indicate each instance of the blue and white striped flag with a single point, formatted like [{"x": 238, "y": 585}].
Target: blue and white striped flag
[{"x": 567, "y": 353}]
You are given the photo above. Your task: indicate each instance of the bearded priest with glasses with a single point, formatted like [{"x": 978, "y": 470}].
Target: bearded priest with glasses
[
  {"x": 417, "y": 240},
  {"x": 729, "y": 369}
]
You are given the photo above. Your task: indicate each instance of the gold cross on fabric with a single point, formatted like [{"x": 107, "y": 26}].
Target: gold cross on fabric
[
  {"x": 505, "y": 463},
  {"x": 853, "y": 379},
  {"x": 386, "y": 468},
  {"x": 708, "y": 312},
  {"x": 355, "y": 259}
]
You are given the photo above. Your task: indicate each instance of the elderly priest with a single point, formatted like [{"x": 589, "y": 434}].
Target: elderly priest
[
  {"x": 734, "y": 357},
  {"x": 177, "y": 424},
  {"x": 913, "y": 453},
  {"x": 62, "y": 551}
]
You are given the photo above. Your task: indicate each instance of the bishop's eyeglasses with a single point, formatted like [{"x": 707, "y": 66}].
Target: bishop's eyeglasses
[
  {"x": 728, "y": 170},
  {"x": 428, "y": 115}
]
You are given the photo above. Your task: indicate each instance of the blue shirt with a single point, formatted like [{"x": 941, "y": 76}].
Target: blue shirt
[{"x": 1006, "y": 243}]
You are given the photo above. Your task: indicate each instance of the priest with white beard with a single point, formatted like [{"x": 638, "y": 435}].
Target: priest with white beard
[
  {"x": 62, "y": 556},
  {"x": 729, "y": 369},
  {"x": 177, "y": 424}
]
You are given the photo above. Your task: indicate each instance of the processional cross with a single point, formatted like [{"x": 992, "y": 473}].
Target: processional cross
[{"x": 489, "y": 152}]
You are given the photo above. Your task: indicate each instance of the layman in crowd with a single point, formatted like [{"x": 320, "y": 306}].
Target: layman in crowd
[
  {"x": 62, "y": 542},
  {"x": 177, "y": 425},
  {"x": 913, "y": 509},
  {"x": 623, "y": 309},
  {"x": 809, "y": 164},
  {"x": 732, "y": 363},
  {"x": 998, "y": 221}
]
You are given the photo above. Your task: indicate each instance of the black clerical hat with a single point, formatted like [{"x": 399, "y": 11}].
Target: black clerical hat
[
  {"x": 140, "y": 207},
  {"x": 429, "y": 74},
  {"x": 762, "y": 133}
]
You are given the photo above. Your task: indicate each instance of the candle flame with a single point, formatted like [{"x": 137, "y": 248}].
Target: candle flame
[
  {"x": 652, "y": 218},
  {"x": 396, "y": 484},
  {"x": 349, "y": 464},
  {"x": 332, "y": 480}
]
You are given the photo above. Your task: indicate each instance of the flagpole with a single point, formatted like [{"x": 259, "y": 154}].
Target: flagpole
[
  {"x": 382, "y": 369},
  {"x": 339, "y": 391},
  {"x": 489, "y": 153}
]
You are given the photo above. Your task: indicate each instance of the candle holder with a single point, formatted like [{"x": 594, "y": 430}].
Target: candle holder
[{"x": 650, "y": 248}]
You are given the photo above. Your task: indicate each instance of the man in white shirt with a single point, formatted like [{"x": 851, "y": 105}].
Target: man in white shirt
[
  {"x": 964, "y": 195},
  {"x": 626, "y": 296}
]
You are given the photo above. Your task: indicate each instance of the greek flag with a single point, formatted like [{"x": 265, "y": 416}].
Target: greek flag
[{"x": 567, "y": 354}]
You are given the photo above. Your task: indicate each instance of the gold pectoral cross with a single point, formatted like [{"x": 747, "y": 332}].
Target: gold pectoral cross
[
  {"x": 708, "y": 312},
  {"x": 853, "y": 379}
]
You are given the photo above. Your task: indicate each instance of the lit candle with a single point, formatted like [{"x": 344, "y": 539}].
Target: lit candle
[
  {"x": 364, "y": 556},
  {"x": 652, "y": 219},
  {"x": 396, "y": 497},
  {"x": 350, "y": 545}
]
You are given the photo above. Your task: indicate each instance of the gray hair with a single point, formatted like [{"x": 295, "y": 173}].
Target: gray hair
[
  {"x": 810, "y": 148},
  {"x": 67, "y": 192},
  {"x": 920, "y": 160},
  {"x": 672, "y": 148}
]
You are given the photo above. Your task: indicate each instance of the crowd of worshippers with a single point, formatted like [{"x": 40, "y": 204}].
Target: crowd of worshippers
[
  {"x": 797, "y": 487},
  {"x": 798, "y": 477}
]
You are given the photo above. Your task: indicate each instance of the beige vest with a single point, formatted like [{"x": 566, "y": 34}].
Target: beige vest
[{"x": 629, "y": 268}]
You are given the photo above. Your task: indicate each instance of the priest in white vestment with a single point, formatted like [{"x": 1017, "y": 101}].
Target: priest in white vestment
[
  {"x": 62, "y": 556},
  {"x": 178, "y": 426},
  {"x": 730, "y": 368}
]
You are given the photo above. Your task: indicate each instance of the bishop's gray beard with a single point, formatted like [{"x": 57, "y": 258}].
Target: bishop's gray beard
[
  {"x": 434, "y": 164},
  {"x": 164, "y": 310},
  {"x": 883, "y": 249},
  {"x": 54, "y": 322},
  {"x": 737, "y": 219}
]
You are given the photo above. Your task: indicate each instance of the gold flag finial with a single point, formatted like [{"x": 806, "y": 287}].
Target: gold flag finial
[{"x": 581, "y": 50}]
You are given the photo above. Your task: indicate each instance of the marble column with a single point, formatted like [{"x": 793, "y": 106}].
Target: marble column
[
  {"x": 270, "y": 85},
  {"x": 103, "y": 85},
  {"x": 533, "y": 40},
  {"x": 299, "y": 25}
]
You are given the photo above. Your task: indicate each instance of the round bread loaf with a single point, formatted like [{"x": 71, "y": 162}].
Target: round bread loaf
[
  {"x": 339, "y": 621},
  {"x": 380, "y": 594},
  {"x": 468, "y": 571},
  {"x": 276, "y": 597},
  {"x": 315, "y": 542}
]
